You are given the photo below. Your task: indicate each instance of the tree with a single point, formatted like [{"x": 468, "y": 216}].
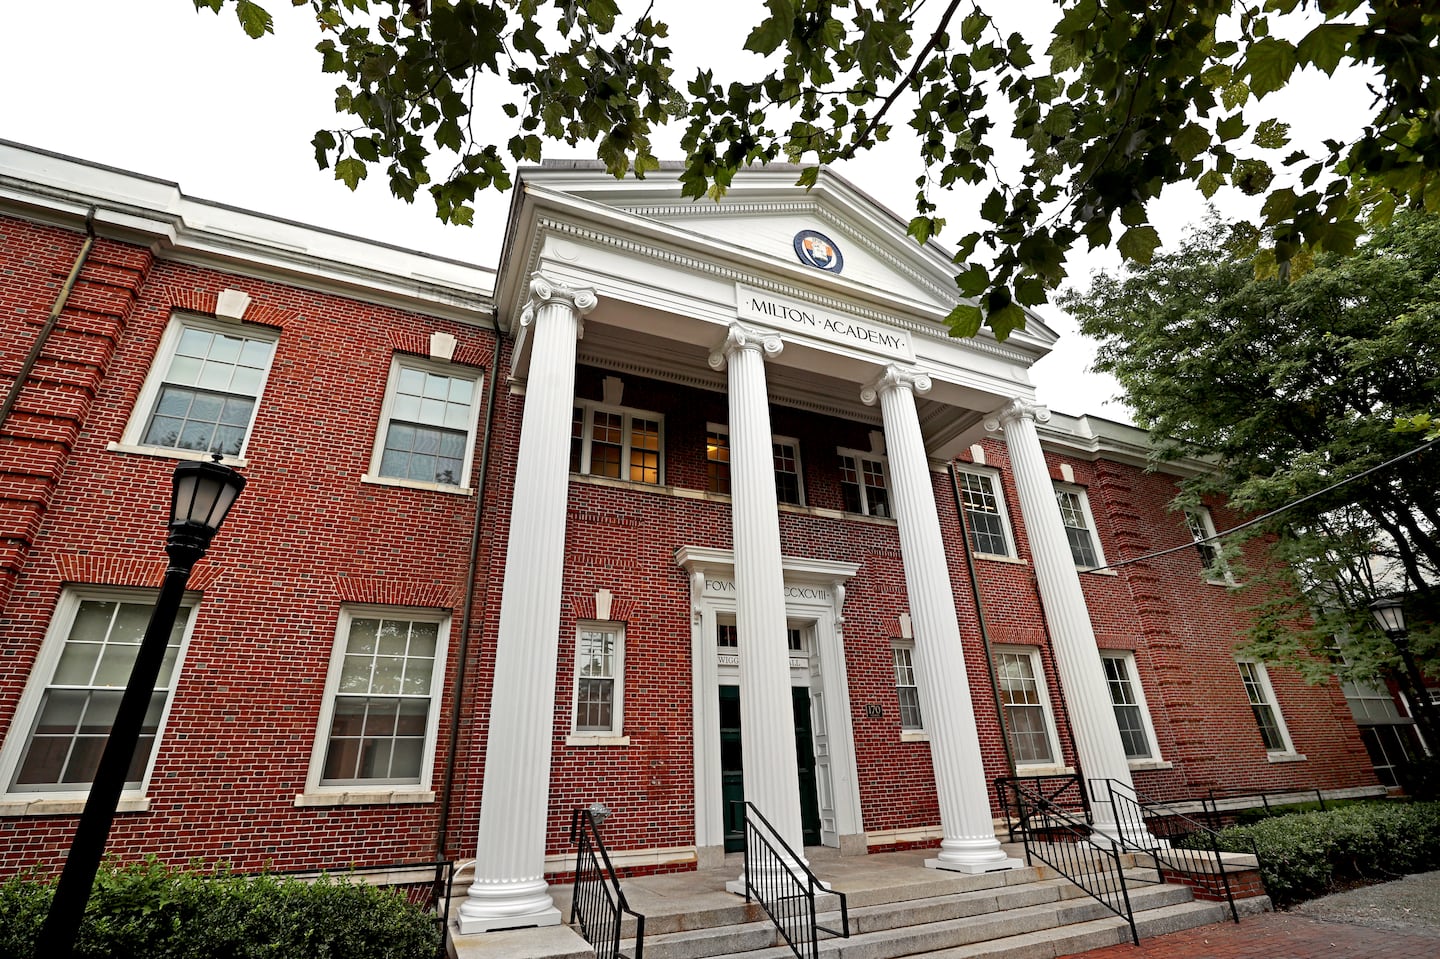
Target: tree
[
  {"x": 1127, "y": 97},
  {"x": 1294, "y": 387}
]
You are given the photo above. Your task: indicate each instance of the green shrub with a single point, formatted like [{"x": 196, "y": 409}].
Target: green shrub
[
  {"x": 150, "y": 911},
  {"x": 1306, "y": 855}
]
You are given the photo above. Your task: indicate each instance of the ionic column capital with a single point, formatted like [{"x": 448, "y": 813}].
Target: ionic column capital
[
  {"x": 545, "y": 290},
  {"x": 740, "y": 337},
  {"x": 1016, "y": 409},
  {"x": 895, "y": 378}
]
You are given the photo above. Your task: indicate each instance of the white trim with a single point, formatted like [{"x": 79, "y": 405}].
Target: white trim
[
  {"x": 628, "y": 414},
  {"x": 361, "y": 792},
  {"x": 997, "y": 489},
  {"x": 1132, "y": 676},
  {"x": 1047, "y": 711},
  {"x": 398, "y": 364},
  {"x": 1083, "y": 497},
  {"x": 616, "y": 732},
  {"x": 1262, "y": 678},
  {"x": 61, "y": 801},
  {"x": 132, "y": 439}
]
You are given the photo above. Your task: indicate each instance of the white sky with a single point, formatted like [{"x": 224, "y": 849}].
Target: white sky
[{"x": 154, "y": 87}]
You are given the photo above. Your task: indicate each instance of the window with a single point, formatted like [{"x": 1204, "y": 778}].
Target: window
[
  {"x": 862, "y": 482},
  {"x": 1129, "y": 702},
  {"x": 616, "y": 442},
  {"x": 787, "y": 465},
  {"x": 204, "y": 388},
  {"x": 787, "y": 472},
  {"x": 86, "y": 661},
  {"x": 1202, "y": 529},
  {"x": 1027, "y": 719},
  {"x": 427, "y": 424},
  {"x": 380, "y": 712},
  {"x": 599, "y": 654},
  {"x": 727, "y": 636},
  {"x": 905, "y": 689},
  {"x": 985, "y": 514},
  {"x": 1079, "y": 528},
  {"x": 1262, "y": 704}
]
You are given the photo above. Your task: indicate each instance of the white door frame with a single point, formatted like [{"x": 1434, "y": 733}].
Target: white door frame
[{"x": 814, "y": 593}]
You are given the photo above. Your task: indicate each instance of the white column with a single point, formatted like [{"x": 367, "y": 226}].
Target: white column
[
  {"x": 1099, "y": 749},
  {"x": 767, "y": 717},
  {"x": 509, "y": 889},
  {"x": 969, "y": 844}
]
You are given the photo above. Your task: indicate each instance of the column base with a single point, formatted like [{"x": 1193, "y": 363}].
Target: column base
[
  {"x": 507, "y": 905},
  {"x": 973, "y": 856}
]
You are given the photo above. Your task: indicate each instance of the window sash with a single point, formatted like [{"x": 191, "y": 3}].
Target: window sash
[
  {"x": 788, "y": 488},
  {"x": 1077, "y": 529},
  {"x": 982, "y": 514},
  {"x": 385, "y": 678},
  {"x": 907, "y": 694},
  {"x": 598, "y": 665},
  {"x": 863, "y": 485},
  {"x": 617, "y": 443},
  {"x": 1267, "y": 717},
  {"x": 76, "y": 708},
  {"x": 428, "y": 428},
  {"x": 1022, "y": 699},
  {"x": 1129, "y": 713}
]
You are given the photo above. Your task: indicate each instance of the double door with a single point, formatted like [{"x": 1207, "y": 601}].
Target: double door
[{"x": 732, "y": 770}]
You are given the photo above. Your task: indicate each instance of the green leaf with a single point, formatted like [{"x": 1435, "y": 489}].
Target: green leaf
[
  {"x": 1269, "y": 63},
  {"x": 350, "y": 171},
  {"x": 1326, "y": 45},
  {"x": 1139, "y": 243},
  {"x": 922, "y": 228},
  {"x": 973, "y": 280},
  {"x": 1006, "y": 320},
  {"x": 254, "y": 18},
  {"x": 993, "y": 209},
  {"x": 965, "y": 320},
  {"x": 1271, "y": 134}
]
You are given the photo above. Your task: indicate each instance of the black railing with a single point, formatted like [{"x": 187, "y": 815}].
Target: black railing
[
  {"x": 1174, "y": 841},
  {"x": 425, "y": 885},
  {"x": 1064, "y": 791},
  {"x": 597, "y": 904},
  {"x": 1238, "y": 799},
  {"x": 1061, "y": 840},
  {"x": 784, "y": 886}
]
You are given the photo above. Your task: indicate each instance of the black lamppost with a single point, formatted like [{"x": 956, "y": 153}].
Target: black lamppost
[
  {"x": 203, "y": 493},
  {"x": 1389, "y": 613}
]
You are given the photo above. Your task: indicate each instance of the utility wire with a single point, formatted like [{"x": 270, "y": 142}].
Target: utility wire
[{"x": 1274, "y": 512}]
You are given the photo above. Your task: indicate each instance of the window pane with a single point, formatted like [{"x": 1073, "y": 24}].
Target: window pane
[
  {"x": 717, "y": 462},
  {"x": 645, "y": 451},
  {"x": 982, "y": 514}
]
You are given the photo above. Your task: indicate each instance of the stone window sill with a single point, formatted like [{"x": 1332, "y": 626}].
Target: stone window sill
[
  {"x": 1285, "y": 757},
  {"x": 914, "y": 736},
  {"x": 64, "y": 807},
  {"x": 1141, "y": 765},
  {"x": 169, "y": 453},
  {"x": 366, "y": 797},
  {"x": 586, "y": 739},
  {"x": 417, "y": 484}
]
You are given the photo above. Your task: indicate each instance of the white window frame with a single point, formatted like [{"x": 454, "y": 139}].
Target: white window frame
[
  {"x": 883, "y": 463},
  {"x": 1201, "y": 526},
  {"x": 615, "y": 735},
  {"x": 1083, "y": 500},
  {"x": 398, "y": 365},
  {"x": 323, "y": 794},
  {"x": 898, "y": 646},
  {"x": 1037, "y": 672},
  {"x": 1261, "y": 684},
  {"x": 132, "y": 440},
  {"x": 719, "y": 429},
  {"x": 630, "y": 415},
  {"x": 57, "y": 801},
  {"x": 1137, "y": 693},
  {"x": 997, "y": 490}
]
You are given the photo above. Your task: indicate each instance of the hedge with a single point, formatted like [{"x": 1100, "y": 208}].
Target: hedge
[
  {"x": 1306, "y": 855},
  {"x": 148, "y": 909}
]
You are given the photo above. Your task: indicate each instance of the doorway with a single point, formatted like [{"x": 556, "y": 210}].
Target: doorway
[{"x": 732, "y": 786}]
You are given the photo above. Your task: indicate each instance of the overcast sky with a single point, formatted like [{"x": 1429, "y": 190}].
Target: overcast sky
[{"x": 154, "y": 87}]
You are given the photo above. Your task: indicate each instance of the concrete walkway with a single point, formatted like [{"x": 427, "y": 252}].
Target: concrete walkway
[{"x": 1393, "y": 920}]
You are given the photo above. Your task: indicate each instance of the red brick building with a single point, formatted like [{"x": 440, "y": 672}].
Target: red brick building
[{"x": 604, "y": 525}]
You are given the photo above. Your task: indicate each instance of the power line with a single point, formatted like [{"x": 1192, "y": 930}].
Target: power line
[{"x": 1274, "y": 512}]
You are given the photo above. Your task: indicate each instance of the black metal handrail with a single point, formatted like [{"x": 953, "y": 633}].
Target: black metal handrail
[
  {"x": 597, "y": 905},
  {"x": 1062, "y": 841},
  {"x": 784, "y": 886},
  {"x": 1172, "y": 839},
  {"x": 1064, "y": 790}
]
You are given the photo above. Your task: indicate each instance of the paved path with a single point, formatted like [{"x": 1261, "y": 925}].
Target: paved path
[{"x": 1394, "y": 920}]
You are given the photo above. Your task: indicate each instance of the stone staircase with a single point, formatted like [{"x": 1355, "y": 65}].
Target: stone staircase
[{"x": 897, "y": 908}]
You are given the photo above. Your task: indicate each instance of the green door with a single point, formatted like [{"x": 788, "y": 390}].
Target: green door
[{"x": 732, "y": 785}]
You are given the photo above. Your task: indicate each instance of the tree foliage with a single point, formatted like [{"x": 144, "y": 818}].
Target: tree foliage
[
  {"x": 1126, "y": 98},
  {"x": 1293, "y": 387}
]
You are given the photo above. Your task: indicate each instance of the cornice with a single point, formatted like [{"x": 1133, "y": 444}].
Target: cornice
[{"x": 695, "y": 264}]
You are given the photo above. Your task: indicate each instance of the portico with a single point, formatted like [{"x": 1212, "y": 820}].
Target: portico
[{"x": 708, "y": 297}]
